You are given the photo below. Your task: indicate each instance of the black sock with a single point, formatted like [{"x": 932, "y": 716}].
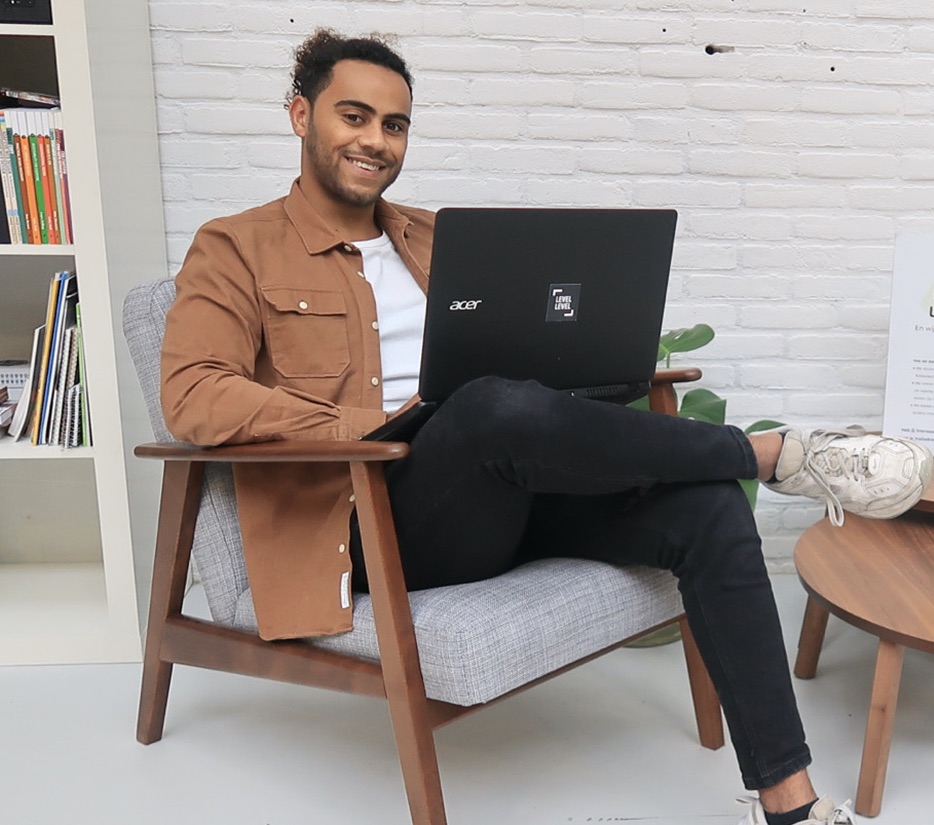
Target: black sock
[
  {"x": 790, "y": 818},
  {"x": 774, "y": 480}
]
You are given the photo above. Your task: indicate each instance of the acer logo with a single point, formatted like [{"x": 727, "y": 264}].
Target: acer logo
[{"x": 465, "y": 305}]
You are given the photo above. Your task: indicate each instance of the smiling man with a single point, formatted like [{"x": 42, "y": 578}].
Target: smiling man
[{"x": 302, "y": 319}]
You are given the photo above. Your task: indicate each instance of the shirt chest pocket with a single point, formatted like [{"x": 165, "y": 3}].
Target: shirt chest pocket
[{"x": 306, "y": 332}]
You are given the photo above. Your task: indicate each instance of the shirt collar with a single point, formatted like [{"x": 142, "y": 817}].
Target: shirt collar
[{"x": 318, "y": 237}]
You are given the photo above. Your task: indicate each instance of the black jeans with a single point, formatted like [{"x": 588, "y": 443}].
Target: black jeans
[{"x": 507, "y": 471}]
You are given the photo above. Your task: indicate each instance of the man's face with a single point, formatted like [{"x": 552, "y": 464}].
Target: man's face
[{"x": 355, "y": 134}]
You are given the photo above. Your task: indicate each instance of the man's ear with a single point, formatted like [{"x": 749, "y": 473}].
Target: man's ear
[{"x": 300, "y": 115}]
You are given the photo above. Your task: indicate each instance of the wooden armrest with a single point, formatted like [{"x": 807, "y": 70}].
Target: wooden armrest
[
  {"x": 662, "y": 392},
  {"x": 277, "y": 451},
  {"x": 676, "y": 376}
]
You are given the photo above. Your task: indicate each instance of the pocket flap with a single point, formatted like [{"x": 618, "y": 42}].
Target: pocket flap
[{"x": 305, "y": 301}]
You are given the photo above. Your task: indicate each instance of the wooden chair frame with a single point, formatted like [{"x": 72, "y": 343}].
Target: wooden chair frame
[{"x": 174, "y": 638}]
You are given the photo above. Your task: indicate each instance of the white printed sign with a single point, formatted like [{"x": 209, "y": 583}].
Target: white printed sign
[{"x": 909, "y": 385}]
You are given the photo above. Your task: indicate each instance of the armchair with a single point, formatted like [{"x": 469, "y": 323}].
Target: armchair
[{"x": 434, "y": 655}]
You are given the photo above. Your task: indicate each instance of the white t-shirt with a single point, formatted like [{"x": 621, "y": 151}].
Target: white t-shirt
[{"x": 400, "y": 313}]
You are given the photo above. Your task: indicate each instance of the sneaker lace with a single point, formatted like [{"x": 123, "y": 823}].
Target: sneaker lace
[
  {"x": 822, "y": 462},
  {"x": 842, "y": 815}
]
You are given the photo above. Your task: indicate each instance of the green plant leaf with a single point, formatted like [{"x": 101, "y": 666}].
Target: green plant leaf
[
  {"x": 703, "y": 405},
  {"x": 684, "y": 340},
  {"x": 764, "y": 424},
  {"x": 751, "y": 489}
]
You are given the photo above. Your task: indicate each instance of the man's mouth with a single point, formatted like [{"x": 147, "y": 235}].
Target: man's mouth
[{"x": 368, "y": 166}]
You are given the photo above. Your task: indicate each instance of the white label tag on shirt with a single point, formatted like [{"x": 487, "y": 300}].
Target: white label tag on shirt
[{"x": 345, "y": 590}]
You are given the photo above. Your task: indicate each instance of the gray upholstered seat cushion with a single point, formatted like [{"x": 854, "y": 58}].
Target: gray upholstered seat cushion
[{"x": 476, "y": 641}]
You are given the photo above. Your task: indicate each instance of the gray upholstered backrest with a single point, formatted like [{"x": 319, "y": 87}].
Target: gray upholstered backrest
[{"x": 218, "y": 549}]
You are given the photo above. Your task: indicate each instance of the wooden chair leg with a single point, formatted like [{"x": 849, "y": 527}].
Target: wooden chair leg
[
  {"x": 178, "y": 512},
  {"x": 398, "y": 651},
  {"x": 879, "y": 728},
  {"x": 811, "y": 639},
  {"x": 706, "y": 702}
]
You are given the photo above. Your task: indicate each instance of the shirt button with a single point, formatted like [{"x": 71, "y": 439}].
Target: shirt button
[
  {"x": 361, "y": 275},
  {"x": 352, "y": 498},
  {"x": 375, "y": 325},
  {"x": 349, "y": 248},
  {"x": 303, "y": 304},
  {"x": 374, "y": 381},
  {"x": 342, "y": 548}
]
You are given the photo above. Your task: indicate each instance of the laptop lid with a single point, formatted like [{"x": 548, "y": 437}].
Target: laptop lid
[{"x": 573, "y": 298}]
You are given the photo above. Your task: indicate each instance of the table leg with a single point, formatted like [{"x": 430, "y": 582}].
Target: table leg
[
  {"x": 879, "y": 728},
  {"x": 812, "y": 637}
]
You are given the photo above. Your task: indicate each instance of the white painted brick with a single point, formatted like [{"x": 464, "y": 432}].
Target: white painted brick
[
  {"x": 200, "y": 154},
  {"x": 846, "y": 287},
  {"x": 734, "y": 224},
  {"x": 570, "y": 61},
  {"x": 472, "y": 190},
  {"x": 743, "y": 31},
  {"x": 921, "y": 38},
  {"x": 744, "y": 97},
  {"x": 892, "y": 198},
  {"x": 787, "y": 316},
  {"x": 903, "y": 10},
  {"x": 577, "y": 125},
  {"x": 837, "y": 406},
  {"x": 518, "y": 159},
  {"x": 858, "y": 101},
  {"x": 845, "y": 227},
  {"x": 871, "y": 376},
  {"x": 438, "y": 88},
  {"x": 865, "y": 318},
  {"x": 793, "y": 195},
  {"x": 191, "y": 17},
  {"x": 284, "y": 154},
  {"x": 575, "y": 192},
  {"x": 810, "y": 132},
  {"x": 916, "y": 167},
  {"x": 526, "y": 26},
  {"x": 748, "y": 345},
  {"x": 719, "y": 316},
  {"x": 743, "y": 163},
  {"x": 243, "y": 120},
  {"x": 793, "y": 67},
  {"x": 534, "y": 91},
  {"x": 629, "y": 95},
  {"x": 627, "y": 30},
  {"x": 200, "y": 84},
  {"x": 237, "y": 52},
  {"x": 691, "y": 63},
  {"x": 612, "y": 161},
  {"x": 680, "y": 194},
  {"x": 847, "y": 37},
  {"x": 467, "y": 57},
  {"x": 423, "y": 156},
  {"x": 693, "y": 255},
  {"x": 783, "y": 376},
  {"x": 467, "y": 123},
  {"x": 837, "y": 346},
  {"x": 735, "y": 286}
]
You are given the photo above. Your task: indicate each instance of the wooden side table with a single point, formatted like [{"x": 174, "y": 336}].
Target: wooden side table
[{"x": 878, "y": 576}]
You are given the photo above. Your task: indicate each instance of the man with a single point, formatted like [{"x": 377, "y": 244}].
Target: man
[{"x": 302, "y": 319}]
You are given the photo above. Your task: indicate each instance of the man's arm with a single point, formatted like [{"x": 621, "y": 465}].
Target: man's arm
[{"x": 213, "y": 337}]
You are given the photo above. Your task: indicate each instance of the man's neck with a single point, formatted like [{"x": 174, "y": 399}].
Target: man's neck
[{"x": 355, "y": 223}]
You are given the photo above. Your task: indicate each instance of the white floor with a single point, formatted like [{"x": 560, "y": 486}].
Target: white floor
[{"x": 611, "y": 742}]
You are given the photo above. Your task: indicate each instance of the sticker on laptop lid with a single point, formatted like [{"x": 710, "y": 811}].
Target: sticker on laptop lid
[{"x": 563, "y": 302}]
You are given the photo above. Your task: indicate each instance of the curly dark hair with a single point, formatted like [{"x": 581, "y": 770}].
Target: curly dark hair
[{"x": 315, "y": 59}]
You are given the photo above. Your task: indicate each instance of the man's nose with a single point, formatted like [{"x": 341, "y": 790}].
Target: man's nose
[{"x": 373, "y": 137}]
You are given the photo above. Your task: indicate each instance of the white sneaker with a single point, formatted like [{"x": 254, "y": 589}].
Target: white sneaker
[
  {"x": 869, "y": 475},
  {"x": 823, "y": 812}
]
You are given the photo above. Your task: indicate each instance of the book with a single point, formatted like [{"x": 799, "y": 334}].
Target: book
[
  {"x": 4, "y": 225},
  {"x": 33, "y": 143},
  {"x": 84, "y": 405},
  {"x": 64, "y": 318},
  {"x": 11, "y": 196},
  {"x": 8, "y": 159},
  {"x": 14, "y": 373},
  {"x": 47, "y": 173},
  {"x": 26, "y": 180},
  {"x": 58, "y": 133},
  {"x": 22, "y": 415},
  {"x": 54, "y": 286},
  {"x": 9, "y": 97}
]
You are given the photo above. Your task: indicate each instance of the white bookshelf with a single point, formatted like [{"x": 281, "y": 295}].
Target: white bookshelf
[{"x": 77, "y": 526}]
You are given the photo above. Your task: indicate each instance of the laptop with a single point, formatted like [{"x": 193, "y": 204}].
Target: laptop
[{"x": 572, "y": 298}]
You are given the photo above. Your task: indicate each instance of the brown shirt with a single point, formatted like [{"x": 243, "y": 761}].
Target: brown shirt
[{"x": 272, "y": 336}]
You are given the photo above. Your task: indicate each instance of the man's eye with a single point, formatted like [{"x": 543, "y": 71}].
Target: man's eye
[
  {"x": 398, "y": 128},
  {"x": 353, "y": 118}
]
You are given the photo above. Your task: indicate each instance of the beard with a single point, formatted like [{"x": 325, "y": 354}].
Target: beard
[{"x": 327, "y": 171}]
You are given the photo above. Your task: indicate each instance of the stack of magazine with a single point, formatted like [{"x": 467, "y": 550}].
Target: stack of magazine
[
  {"x": 33, "y": 171},
  {"x": 53, "y": 408}
]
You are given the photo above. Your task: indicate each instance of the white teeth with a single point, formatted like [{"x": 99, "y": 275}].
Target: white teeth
[{"x": 370, "y": 167}]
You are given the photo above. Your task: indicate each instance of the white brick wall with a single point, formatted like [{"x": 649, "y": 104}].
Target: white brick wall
[{"x": 794, "y": 159}]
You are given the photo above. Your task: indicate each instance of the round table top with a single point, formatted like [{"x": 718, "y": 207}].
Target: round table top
[{"x": 875, "y": 574}]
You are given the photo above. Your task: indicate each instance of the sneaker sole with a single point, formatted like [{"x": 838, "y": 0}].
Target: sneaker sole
[{"x": 911, "y": 497}]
